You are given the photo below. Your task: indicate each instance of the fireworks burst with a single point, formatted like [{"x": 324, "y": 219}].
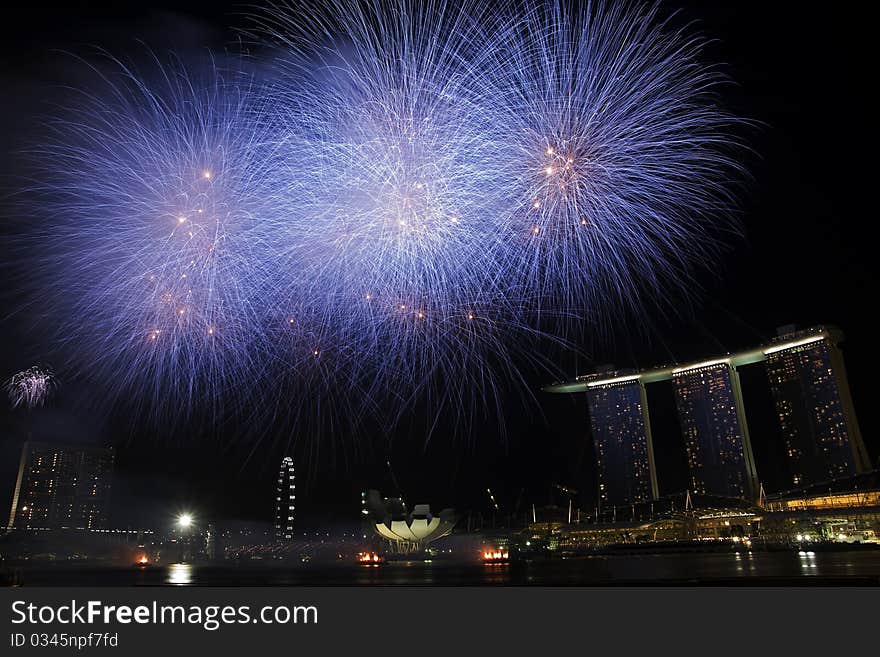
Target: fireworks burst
[
  {"x": 391, "y": 227},
  {"x": 618, "y": 158},
  {"x": 31, "y": 387},
  {"x": 155, "y": 241},
  {"x": 391, "y": 211}
]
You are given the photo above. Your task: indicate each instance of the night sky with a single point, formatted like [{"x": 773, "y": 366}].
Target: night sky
[{"x": 807, "y": 257}]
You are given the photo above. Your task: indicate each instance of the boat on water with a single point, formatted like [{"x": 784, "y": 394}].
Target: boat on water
[
  {"x": 495, "y": 556},
  {"x": 371, "y": 559}
]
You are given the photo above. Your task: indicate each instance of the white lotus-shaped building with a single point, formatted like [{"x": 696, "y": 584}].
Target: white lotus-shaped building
[{"x": 408, "y": 531}]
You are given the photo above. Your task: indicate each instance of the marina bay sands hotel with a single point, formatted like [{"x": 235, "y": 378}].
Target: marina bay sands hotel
[{"x": 812, "y": 401}]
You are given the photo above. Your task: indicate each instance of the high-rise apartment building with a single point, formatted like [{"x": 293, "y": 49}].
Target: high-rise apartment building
[
  {"x": 62, "y": 486},
  {"x": 622, "y": 439},
  {"x": 715, "y": 431},
  {"x": 814, "y": 407}
]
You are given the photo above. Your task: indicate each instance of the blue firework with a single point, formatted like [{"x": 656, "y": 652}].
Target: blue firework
[
  {"x": 619, "y": 159},
  {"x": 392, "y": 224},
  {"x": 154, "y": 241},
  {"x": 389, "y": 212}
]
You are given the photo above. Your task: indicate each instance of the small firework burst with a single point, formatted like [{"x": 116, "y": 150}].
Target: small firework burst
[{"x": 31, "y": 387}]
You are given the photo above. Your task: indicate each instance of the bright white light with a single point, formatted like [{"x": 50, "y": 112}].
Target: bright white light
[
  {"x": 180, "y": 574},
  {"x": 791, "y": 345},
  {"x": 620, "y": 379},
  {"x": 696, "y": 366},
  {"x": 185, "y": 520}
]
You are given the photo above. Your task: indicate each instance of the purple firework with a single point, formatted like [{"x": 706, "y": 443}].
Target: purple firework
[
  {"x": 31, "y": 387},
  {"x": 389, "y": 212},
  {"x": 619, "y": 160}
]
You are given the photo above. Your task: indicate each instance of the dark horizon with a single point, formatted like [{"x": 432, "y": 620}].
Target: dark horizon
[{"x": 805, "y": 259}]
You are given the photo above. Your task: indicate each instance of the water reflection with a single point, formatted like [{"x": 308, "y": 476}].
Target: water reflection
[
  {"x": 747, "y": 566},
  {"x": 179, "y": 574},
  {"x": 808, "y": 562}
]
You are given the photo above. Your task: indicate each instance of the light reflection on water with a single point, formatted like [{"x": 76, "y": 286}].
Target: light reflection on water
[
  {"x": 180, "y": 574},
  {"x": 808, "y": 562},
  {"x": 597, "y": 569}
]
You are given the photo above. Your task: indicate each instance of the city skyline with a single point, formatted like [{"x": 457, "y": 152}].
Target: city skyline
[
  {"x": 708, "y": 400},
  {"x": 807, "y": 377}
]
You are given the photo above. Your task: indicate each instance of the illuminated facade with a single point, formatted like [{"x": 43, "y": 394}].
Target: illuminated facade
[
  {"x": 814, "y": 407},
  {"x": 621, "y": 432},
  {"x": 716, "y": 435},
  {"x": 809, "y": 385},
  {"x": 828, "y": 501},
  {"x": 62, "y": 486},
  {"x": 285, "y": 500}
]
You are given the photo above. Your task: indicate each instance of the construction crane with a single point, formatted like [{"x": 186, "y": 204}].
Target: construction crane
[
  {"x": 570, "y": 493},
  {"x": 568, "y": 490},
  {"x": 394, "y": 479},
  {"x": 493, "y": 504}
]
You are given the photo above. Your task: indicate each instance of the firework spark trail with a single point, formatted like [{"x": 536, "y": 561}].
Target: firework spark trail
[
  {"x": 31, "y": 387},
  {"x": 392, "y": 211}
]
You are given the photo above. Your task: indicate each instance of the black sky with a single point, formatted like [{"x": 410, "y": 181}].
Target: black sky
[{"x": 808, "y": 257}]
